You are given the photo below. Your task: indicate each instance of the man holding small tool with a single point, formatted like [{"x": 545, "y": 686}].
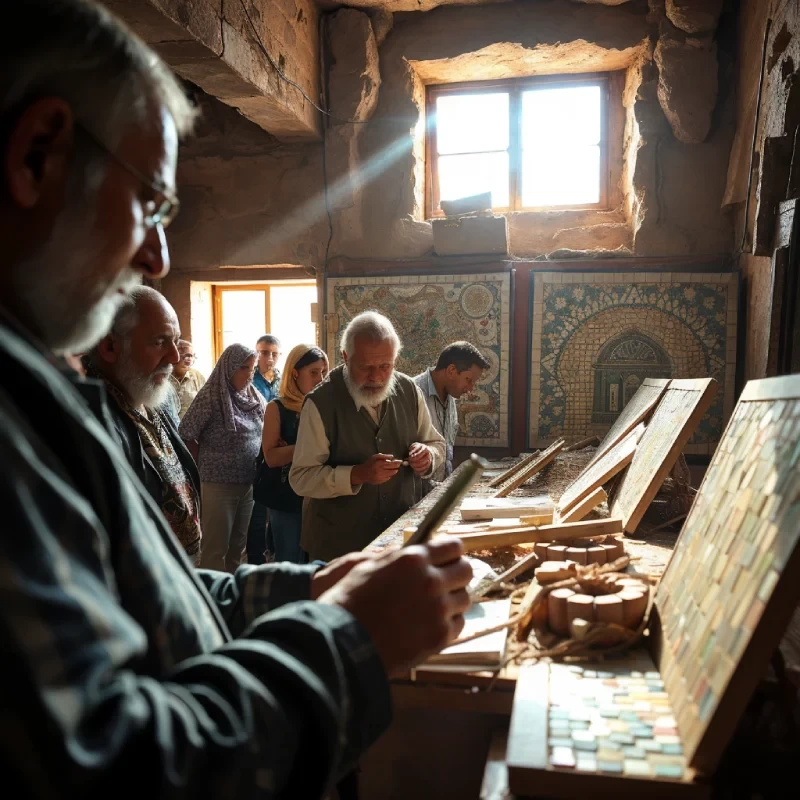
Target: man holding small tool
[{"x": 364, "y": 445}]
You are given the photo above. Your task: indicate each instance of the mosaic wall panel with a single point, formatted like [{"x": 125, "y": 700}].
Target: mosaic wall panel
[
  {"x": 429, "y": 312},
  {"x": 597, "y": 336},
  {"x": 718, "y": 604}
]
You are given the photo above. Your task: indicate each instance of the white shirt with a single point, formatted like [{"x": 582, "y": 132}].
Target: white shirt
[{"x": 310, "y": 475}]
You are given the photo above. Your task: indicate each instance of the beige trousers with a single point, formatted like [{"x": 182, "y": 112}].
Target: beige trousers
[{"x": 225, "y": 517}]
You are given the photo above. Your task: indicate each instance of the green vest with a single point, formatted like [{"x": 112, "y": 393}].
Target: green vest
[{"x": 339, "y": 525}]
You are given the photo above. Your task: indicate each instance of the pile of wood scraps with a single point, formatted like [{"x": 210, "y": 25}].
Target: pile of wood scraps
[{"x": 573, "y": 569}]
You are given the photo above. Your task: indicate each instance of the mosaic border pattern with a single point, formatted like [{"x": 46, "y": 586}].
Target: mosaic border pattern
[
  {"x": 561, "y": 302},
  {"x": 491, "y": 313}
]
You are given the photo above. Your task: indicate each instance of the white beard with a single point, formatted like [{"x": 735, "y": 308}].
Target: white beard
[
  {"x": 366, "y": 399},
  {"x": 142, "y": 390}
]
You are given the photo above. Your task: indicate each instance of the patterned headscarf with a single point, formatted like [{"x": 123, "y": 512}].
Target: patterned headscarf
[
  {"x": 232, "y": 405},
  {"x": 300, "y": 356}
]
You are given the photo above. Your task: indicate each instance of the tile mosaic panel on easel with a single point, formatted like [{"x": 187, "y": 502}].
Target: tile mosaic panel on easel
[
  {"x": 743, "y": 527},
  {"x": 597, "y": 336},
  {"x": 429, "y": 312}
]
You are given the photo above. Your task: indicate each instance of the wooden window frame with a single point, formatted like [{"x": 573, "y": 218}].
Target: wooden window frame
[
  {"x": 218, "y": 289},
  {"x": 515, "y": 87}
]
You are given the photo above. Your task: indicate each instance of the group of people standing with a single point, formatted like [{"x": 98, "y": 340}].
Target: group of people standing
[
  {"x": 231, "y": 459},
  {"x": 242, "y": 427}
]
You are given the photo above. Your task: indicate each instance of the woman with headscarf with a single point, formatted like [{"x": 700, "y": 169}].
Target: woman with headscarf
[
  {"x": 222, "y": 428},
  {"x": 306, "y": 367}
]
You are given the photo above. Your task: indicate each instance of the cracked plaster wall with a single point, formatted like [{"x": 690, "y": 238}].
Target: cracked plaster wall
[{"x": 674, "y": 189}]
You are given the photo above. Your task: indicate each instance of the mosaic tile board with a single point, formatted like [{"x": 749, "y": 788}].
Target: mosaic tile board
[
  {"x": 732, "y": 584},
  {"x": 597, "y": 336},
  {"x": 677, "y": 415},
  {"x": 429, "y": 312},
  {"x": 601, "y": 471},
  {"x": 596, "y": 731}
]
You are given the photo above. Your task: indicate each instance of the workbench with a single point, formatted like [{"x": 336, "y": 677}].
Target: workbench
[{"x": 446, "y": 722}]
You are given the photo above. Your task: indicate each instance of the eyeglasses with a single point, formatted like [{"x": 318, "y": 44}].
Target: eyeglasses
[
  {"x": 156, "y": 213},
  {"x": 188, "y": 356}
]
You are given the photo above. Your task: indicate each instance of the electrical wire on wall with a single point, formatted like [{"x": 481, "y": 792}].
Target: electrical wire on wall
[{"x": 288, "y": 80}]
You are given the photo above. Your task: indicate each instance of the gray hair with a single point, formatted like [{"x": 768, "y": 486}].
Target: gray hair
[
  {"x": 78, "y": 51},
  {"x": 127, "y": 315},
  {"x": 372, "y": 326}
]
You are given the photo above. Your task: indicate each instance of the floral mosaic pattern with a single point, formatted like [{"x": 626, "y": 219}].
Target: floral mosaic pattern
[
  {"x": 690, "y": 317},
  {"x": 429, "y": 312}
]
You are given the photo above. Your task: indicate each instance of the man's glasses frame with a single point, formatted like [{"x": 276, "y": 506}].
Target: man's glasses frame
[{"x": 155, "y": 214}]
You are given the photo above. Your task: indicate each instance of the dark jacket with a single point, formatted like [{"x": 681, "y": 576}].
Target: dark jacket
[
  {"x": 145, "y": 470},
  {"x": 125, "y": 669}
]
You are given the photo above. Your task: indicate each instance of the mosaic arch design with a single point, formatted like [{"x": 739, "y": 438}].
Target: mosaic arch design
[
  {"x": 596, "y": 336},
  {"x": 429, "y": 312}
]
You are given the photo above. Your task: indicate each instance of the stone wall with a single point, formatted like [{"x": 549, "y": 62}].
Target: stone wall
[
  {"x": 778, "y": 117},
  {"x": 675, "y": 164},
  {"x": 247, "y": 199}
]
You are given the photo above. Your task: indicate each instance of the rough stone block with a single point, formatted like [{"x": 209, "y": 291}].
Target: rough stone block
[
  {"x": 687, "y": 86},
  {"x": 354, "y": 77},
  {"x": 694, "y": 16}
]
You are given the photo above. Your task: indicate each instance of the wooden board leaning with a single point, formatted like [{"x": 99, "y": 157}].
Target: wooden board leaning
[
  {"x": 602, "y": 470},
  {"x": 637, "y": 409},
  {"x": 733, "y": 575},
  {"x": 524, "y": 475},
  {"x": 678, "y": 413},
  {"x": 514, "y": 469}
]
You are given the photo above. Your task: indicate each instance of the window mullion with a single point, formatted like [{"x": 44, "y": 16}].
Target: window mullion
[{"x": 514, "y": 148}]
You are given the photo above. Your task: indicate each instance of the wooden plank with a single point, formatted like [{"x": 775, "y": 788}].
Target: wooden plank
[
  {"x": 589, "y": 503},
  {"x": 542, "y": 460},
  {"x": 527, "y": 734},
  {"x": 540, "y": 509},
  {"x": 731, "y": 586},
  {"x": 602, "y": 470},
  {"x": 677, "y": 415},
  {"x": 544, "y": 533},
  {"x": 520, "y": 568},
  {"x": 513, "y": 470},
  {"x": 637, "y": 409}
]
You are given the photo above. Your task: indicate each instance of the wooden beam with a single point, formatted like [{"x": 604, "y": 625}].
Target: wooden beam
[
  {"x": 544, "y": 533},
  {"x": 535, "y": 466},
  {"x": 513, "y": 470}
]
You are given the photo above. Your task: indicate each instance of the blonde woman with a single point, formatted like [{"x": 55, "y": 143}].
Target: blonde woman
[{"x": 306, "y": 367}]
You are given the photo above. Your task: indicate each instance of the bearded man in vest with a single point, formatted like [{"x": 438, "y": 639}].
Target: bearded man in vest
[{"x": 357, "y": 430}]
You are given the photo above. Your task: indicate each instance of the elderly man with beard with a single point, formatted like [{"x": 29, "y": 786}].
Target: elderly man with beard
[
  {"x": 136, "y": 361},
  {"x": 125, "y": 669},
  {"x": 364, "y": 444}
]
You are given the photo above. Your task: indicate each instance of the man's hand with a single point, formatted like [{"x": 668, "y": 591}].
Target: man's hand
[
  {"x": 411, "y": 601},
  {"x": 323, "y": 579},
  {"x": 375, "y": 470},
  {"x": 419, "y": 458}
]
